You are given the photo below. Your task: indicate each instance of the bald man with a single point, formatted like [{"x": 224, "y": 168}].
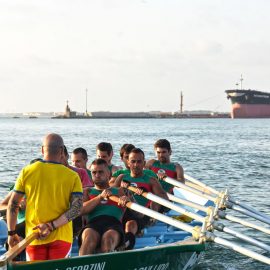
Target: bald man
[{"x": 54, "y": 199}]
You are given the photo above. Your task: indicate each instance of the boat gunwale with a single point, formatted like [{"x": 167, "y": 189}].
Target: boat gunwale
[{"x": 186, "y": 245}]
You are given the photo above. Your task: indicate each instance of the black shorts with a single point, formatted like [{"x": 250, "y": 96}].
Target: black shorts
[
  {"x": 141, "y": 222},
  {"x": 76, "y": 225},
  {"x": 101, "y": 225}
]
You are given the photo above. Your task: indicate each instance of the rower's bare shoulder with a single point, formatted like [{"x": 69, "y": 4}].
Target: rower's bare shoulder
[{"x": 180, "y": 172}]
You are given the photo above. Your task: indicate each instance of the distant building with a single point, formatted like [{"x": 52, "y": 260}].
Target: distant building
[{"x": 68, "y": 113}]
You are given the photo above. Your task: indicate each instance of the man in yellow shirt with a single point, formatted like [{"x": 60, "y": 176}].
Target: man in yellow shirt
[{"x": 54, "y": 198}]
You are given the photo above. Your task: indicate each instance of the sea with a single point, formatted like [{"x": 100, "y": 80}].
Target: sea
[{"x": 228, "y": 154}]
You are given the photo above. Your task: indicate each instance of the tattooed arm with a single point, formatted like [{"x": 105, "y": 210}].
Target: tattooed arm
[
  {"x": 12, "y": 212},
  {"x": 13, "y": 209},
  {"x": 76, "y": 202}
]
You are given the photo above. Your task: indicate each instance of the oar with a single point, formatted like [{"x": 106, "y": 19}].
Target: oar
[
  {"x": 247, "y": 207},
  {"x": 195, "y": 231},
  {"x": 150, "y": 196},
  {"x": 223, "y": 215},
  {"x": 216, "y": 225},
  {"x": 203, "y": 189},
  {"x": 200, "y": 188},
  {"x": 199, "y": 183},
  {"x": 241, "y": 250},
  {"x": 230, "y": 199},
  {"x": 153, "y": 214},
  {"x": 228, "y": 204},
  {"x": 14, "y": 251},
  {"x": 185, "y": 187},
  {"x": 190, "y": 203},
  {"x": 220, "y": 214},
  {"x": 246, "y": 212},
  {"x": 220, "y": 227}
]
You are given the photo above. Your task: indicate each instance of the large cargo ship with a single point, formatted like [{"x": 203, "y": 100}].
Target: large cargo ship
[{"x": 249, "y": 103}]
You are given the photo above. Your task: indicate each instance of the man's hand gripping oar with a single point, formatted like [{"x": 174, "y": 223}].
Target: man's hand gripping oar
[{"x": 17, "y": 249}]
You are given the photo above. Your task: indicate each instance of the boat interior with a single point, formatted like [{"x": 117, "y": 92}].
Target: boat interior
[{"x": 157, "y": 234}]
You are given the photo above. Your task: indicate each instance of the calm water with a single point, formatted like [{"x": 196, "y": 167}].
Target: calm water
[{"x": 224, "y": 153}]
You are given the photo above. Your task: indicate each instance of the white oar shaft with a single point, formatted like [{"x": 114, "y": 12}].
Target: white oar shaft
[
  {"x": 183, "y": 186},
  {"x": 242, "y": 250},
  {"x": 265, "y": 218},
  {"x": 191, "y": 179},
  {"x": 150, "y": 196},
  {"x": 153, "y": 214},
  {"x": 200, "y": 188},
  {"x": 247, "y": 223},
  {"x": 188, "y": 203},
  {"x": 246, "y": 238},
  {"x": 249, "y": 208},
  {"x": 251, "y": 214}
]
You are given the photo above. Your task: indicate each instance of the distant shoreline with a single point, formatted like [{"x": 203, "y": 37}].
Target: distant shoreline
[{"x": 204, "y": 116}]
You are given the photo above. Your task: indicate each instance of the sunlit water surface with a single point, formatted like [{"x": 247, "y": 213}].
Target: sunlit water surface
[{"x": 224, "y": 153}]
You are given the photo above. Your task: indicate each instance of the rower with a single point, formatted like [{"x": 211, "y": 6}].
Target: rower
[
  {"x": 104, "y": 150},
  {"x": 174, "y": 170},
  {"x": 85, "y": 180},
  {"x": 104, "y": 228},
  {"x": 137, "y": 178},
  {"x": 79, "y": 159},
  {"x": 124, "y": 153}
]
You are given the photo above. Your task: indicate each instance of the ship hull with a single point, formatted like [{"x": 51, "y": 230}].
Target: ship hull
[
  {"x": 250, "y": 111},
  {"x": 249, "y": 103}
]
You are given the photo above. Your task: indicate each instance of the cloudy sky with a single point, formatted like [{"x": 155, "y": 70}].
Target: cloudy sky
[{"x": 131, "y": 55}]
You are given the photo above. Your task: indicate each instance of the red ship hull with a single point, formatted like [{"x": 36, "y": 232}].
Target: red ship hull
[{"x": 250, "y": 110}]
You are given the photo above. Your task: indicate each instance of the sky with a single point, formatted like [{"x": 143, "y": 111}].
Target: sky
[{"x": 130, "y": 55}]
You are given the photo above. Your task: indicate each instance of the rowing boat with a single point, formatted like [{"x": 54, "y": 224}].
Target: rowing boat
[
  {"x": 161, "y": 247},
  {"x": 175, "y": 241}
]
